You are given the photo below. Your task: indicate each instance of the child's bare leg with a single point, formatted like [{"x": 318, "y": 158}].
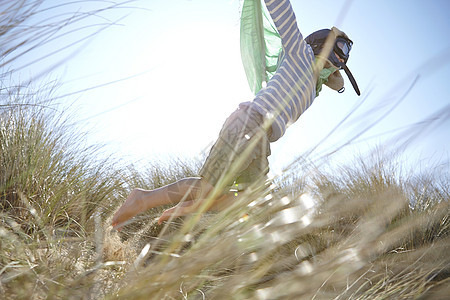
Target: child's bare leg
[
  {"x": 141, "y": 200},
  {"x": 188, "y": 207},
  {"x": 181, "y": 209}
]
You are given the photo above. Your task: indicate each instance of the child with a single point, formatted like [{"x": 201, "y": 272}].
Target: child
[{"x": 243, "y": 146}]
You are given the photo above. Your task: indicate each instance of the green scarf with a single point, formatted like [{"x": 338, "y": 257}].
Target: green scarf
[
  {"x": 323, "y": 78},
  {"x": 260, "y": 43}
]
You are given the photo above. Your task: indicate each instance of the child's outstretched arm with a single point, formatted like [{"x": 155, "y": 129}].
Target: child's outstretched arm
[{"x": 284, "y": 18}]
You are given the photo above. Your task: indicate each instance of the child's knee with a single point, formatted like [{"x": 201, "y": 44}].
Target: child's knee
[{"x": 195, "y": 187}]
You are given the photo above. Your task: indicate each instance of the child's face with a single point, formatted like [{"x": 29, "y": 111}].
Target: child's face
[
  {"x": 328, "y": 63},
  {"x": 337, "y": 56}
]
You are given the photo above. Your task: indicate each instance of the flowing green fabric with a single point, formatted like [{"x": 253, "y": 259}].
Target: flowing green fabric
[
  {"x": 260, "y": 44},
  {"x": 323, "y": 78}
]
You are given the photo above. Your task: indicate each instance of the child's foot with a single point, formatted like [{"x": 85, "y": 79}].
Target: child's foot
[{"x": 132, "y": 206}]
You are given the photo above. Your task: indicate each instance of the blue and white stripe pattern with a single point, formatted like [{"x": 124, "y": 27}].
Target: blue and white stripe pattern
[{"x": 293, "y": 88}]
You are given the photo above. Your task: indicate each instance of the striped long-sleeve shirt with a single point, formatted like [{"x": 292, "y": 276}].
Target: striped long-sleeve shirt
[{"x": 292, "y": 89}]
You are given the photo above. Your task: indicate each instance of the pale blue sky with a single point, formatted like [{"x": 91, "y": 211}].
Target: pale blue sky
[{"x": 187, "y": 53}]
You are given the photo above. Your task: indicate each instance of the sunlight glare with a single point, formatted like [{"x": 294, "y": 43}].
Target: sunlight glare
[
  {"x": 264, "y": 293},
  {"x": 253, "y": 257},
  {"x": 350, "y": 255},
  {"x": 285, "y": 200},
  {"x": 290, "y": 215},
  {"x": 305, "y": 268},
  {"x": 306, "y": 220},
  {"x": 307, "y": 201},
  {"x": 253, "y": 203}
]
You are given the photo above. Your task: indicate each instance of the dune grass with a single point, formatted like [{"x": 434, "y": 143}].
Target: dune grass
[
  {"x": 357, "y": 232},
  {"x": 364, "y": 230}
]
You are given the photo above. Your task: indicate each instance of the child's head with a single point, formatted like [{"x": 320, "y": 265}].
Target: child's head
[{"x": 333, "y": 46}]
